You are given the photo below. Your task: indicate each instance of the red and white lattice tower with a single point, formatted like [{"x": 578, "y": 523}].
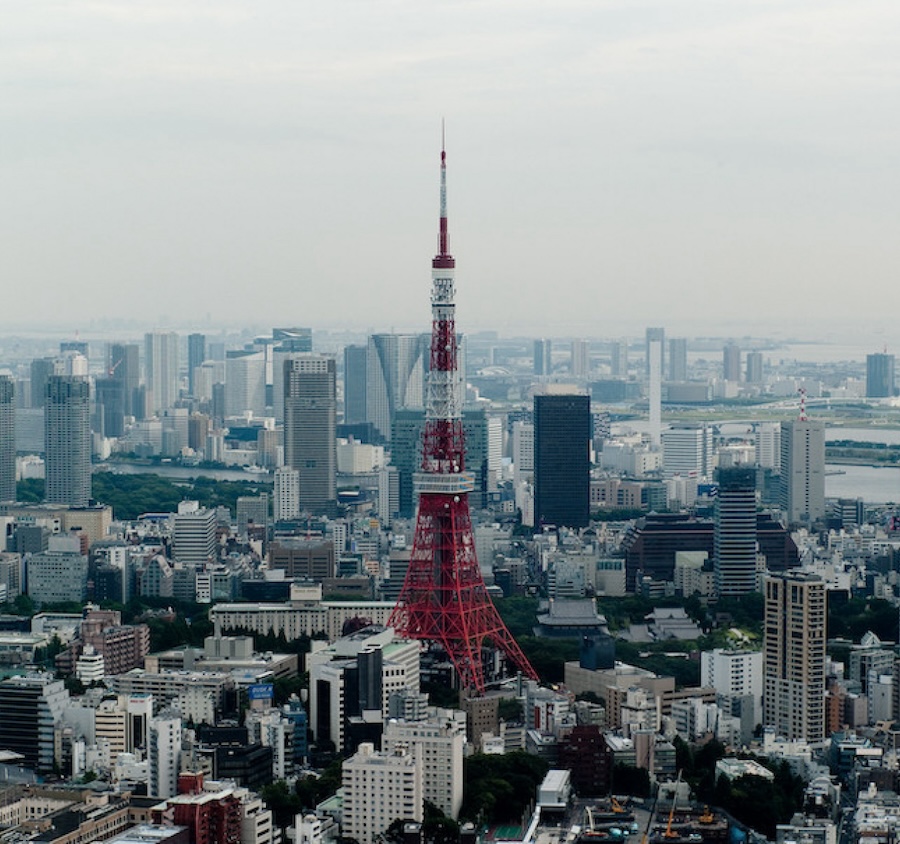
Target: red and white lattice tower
[{"x": 444, "y": 599}]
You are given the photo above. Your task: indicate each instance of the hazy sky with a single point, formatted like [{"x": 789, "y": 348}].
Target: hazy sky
[{"x": 701, "y": 164}]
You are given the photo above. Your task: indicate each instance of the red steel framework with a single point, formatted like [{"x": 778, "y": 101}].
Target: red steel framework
[{"x": 444, "y": 599}]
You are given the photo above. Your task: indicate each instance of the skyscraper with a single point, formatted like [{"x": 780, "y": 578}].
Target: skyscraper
[
  {"x": 543, "y": 357},
  {"x": 109, "y": 401},
  {"x": 7, "y": 438},
  {"x": 803, "y": 470},
  {"x": 161, "y": 360},
  {"x": 67, "y": 440},
  {"x": 879, "y": 375},
  {"x": 734, "y": 534},
  {"x": 754, "y": 367},
  {"x": 124, "y": 365},
  {"x": 355, "y": 375},
  {"x": 396, "y": 366},
  {"x": 618, "y": 359},
  {"x": 245, "y": 382},
  {"x": 655, "y": 361},
  {"x": 196, "y": 352},
  {"x": 41, "y": 370},
  {"x": 794, "y": 656},
  {"x": 581, "y": 359},
  {"x": 731, "y": 362},
  {"x": 562, "y": 436},
  {"x": 677, "y": 359},
  {"x": 310, "y": 429},
  {"x": 768, "y": 445}
]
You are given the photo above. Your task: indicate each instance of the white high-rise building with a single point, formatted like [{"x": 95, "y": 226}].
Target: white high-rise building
[
  {"x": 687, "y": 450},
  {"x": 733, "y": 673},
  {"x": 441, "y": 737},
  {"x": 379, "y": 788},
  {"x": 161, "y": 369},
  {"x": 287, "y": 494},
  {"x": 245, "y": 382},
  {"x": 522, "y": 452},
  {"x": 194, "y": 536},
  {"x": 581, "y": 359},
  {"x": 164, "y": 754},
  {"x": 803, "y": 470},
  {"x": 208, "y": 373},
  {"x": 768, "y": 445}
]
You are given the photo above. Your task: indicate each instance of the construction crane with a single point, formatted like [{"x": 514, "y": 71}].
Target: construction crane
[{"x": 670, "y": 833}]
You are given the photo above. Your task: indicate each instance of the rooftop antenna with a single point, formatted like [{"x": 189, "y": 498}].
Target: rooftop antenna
[{"x": 803, "y": 416}]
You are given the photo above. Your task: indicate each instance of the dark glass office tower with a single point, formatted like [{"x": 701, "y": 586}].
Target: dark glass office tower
[{"x": 562, "y": 434}]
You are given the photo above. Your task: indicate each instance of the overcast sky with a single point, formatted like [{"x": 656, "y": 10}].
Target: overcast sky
[{"x": 707, "y": 165}]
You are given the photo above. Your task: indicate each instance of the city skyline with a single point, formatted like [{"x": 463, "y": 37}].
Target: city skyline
[{"x": 173, "y": 154}]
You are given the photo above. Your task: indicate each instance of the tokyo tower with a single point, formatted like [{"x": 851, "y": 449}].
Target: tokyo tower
[{"x": 444, "y": 599}]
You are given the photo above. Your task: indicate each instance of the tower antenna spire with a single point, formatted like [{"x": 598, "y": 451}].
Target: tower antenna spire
[{"x": 444, "y": 599}]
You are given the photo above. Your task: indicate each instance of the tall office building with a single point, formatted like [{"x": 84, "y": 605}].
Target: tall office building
[
  {"x": 109, "y": 405},
  {"x": 734, "y": 534},
  {"x": 618, "y": 359},
  {"x": 655, "y": 361},
  {"x": 677, "y": 370},
  {"x": 67, "y": 441},
  {"x": 768, "y": 445},
  {"x": 123, "y": 364},
  {"x": 754, "y": 367},
  {"x": 196, "y": 353},
  {"x": 731, "y": 362},
  {"x": 522, "y": 452},
  {"x": 543, "y": 357},
  {"x": 879, "y": 375},
  {"x": 310, "y": 429},
  {"x": 41, "y": 370},
  {"x": 483, "y": 454},
  {"x": 245, "y": 382},
  {"x": 803, "y": 470},
  {"x": 581, "y": 359},
  {"x": 396, "y": 366},
  {"x": 7, "y": 438},
  {"x": 355, "y": 375},
  {"x": 161, "y": 361},
  {"x": 687, "y": 450},
  {"x": 794, "y": 656},
  {"x": 562, "y": 436},
  {"x": 286, "y": 503}
]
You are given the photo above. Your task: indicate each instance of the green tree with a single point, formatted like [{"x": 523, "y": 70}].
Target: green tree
[
  {"x": 498, "y": 788},
  {"x": 282, "y": 800}
]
